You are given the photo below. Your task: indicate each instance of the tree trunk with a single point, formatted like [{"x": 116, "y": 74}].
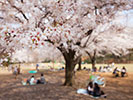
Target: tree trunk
[
  {"x": 70, "y": 62},
  {"x": 69, "y": 73},
  {"x": 79, "y": 67},
  {"x": 92, "y": 58},
  {"x": 93, "y": 63}
]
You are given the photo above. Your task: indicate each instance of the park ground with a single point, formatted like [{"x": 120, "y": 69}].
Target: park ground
[{"x": 12, "y": 89}]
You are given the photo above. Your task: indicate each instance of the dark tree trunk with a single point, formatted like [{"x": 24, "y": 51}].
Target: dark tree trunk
[
  {"x": 93, "y": 60},
  {"x": 70, "y": 62},
  {"x": 79, "y": 67},
  {"x": 69, "y": 73}
]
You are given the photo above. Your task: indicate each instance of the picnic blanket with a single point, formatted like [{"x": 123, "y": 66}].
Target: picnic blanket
[
  {"x": 33, "y": 71},
  {"x": 82, "y": 91}
]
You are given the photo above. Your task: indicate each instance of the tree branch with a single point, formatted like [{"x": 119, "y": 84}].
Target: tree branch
[
  {"x": 89, "y": 54},
  {"x": 48, "y": 40},
  {"x": 19, "y": 10},
  {"x": 88, "y": 33},
  {"x": 77, "y": 59},
  {"x": 39, "y": 23}
]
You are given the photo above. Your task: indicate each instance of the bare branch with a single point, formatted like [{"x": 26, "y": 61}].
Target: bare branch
[
  {"x": 88, "y": 33},
  {"x": 19, "y": 10},
  {"x": 19, "y": 19},
  {"x": 48, "y": 40},
  {"x": 77, "y": 59},
  {"x": 39, "y": 23}
]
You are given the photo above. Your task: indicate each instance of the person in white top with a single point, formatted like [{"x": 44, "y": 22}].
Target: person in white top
[
  {"x": 123, "y": 71},
  {"x": 90, "y": 88},
  {"x": 32, "y": 80}
]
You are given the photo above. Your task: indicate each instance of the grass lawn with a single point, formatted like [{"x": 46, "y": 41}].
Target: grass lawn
[{"x": 12, "y": 89}]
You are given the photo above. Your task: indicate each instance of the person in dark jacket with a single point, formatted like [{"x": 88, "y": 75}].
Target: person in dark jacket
[
  {"x": 97, "y": 91},
  {"x": 123, "y": 71}
]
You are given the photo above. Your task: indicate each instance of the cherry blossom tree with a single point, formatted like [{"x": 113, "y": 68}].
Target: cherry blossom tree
[
  {"x": 69, "y": 25},
  {"x": 35, "y": 55},
  {"x": 116, "y": 46},
  {"x": 118, "y": 43},
  {"x": 7, "y": 44}
]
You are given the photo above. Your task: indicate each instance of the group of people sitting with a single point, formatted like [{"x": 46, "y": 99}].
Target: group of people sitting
[
  {"x": 105, "y": 69},
  {"x": 101, "y": 69},
  {"x": 33, "y": 81},
  {"x": 117, "y": 72},
  {"x": 95, "y": 90},
  {"x": 62, "y": 68}
]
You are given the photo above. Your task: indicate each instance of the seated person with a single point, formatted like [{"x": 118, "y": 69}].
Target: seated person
[
  {"x": 117, "y": 73},
  {"x": 89, "y": 70},
  {"x": 24, "y": 82},
  {"x": 94, "y": 69},
  {"x": 84, "y": 68},
  {"x": 90, "y": 88},
  {"x": 100, "y": 69},
  {"x": 114, "y": 72},
  {"x": 104, "y": 69},
  {"x": 62, "y": 68},
  {"x": 42, "y": 80},
  {"x": 97, "y": 91},
  {"x": 32, "y": 81},
  {"x": 123, "y": 71}
]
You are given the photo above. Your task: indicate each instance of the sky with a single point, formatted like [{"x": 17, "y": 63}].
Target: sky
[{"x": 126, "y": 18}]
